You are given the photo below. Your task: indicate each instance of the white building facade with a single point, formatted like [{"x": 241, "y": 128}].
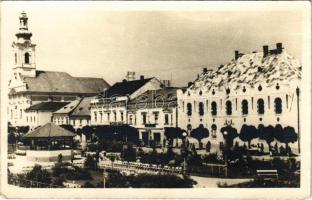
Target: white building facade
[{"x": 252, "y": 89}]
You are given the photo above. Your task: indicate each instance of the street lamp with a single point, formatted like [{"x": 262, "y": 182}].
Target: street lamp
[
  {"x": 184, "y": 134},
  {"x": 298, "y": 117},
  {"x": 225, "y": 133}
]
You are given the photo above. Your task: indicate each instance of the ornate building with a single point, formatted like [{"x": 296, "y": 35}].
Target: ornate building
[
  {"x": 253, "y": 89},
  {"x": 29, "y": 86}
]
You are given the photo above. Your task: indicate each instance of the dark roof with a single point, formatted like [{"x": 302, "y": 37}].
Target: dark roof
[
  {"x": 47, "y": 106},
  {"x": 83, "y": 108},
  {"x": 62, "y": 82},
  {"x": 49, "y": 130},
  {"x": 125, "y": 88}
]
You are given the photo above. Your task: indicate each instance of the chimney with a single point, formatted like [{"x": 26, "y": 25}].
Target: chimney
[
  {"x": 141, "y": 77},
  {"x": 130, "y": 76},
  {"x": 189, "y": 84},
  {"x": 265, "y": 50},
  {"x": 236, "y": 54},
  {"x": 205, "y": 70},
  {"x": 166, "y": 83},
  {"x": 279, "y": 47}
]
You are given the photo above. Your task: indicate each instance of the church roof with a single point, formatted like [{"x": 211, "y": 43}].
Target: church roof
[
  {"x": 49, "y": 130},
  {"x": 47, "y": 106},
  {"x": 62, "y": 82}
]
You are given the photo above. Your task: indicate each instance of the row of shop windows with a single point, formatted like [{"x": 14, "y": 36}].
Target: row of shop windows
[{"x": 228, "y": 107}]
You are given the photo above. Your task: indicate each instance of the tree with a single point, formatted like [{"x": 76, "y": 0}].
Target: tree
[
  {"x": 248, "y": 133},
  {"x": 39, "y": 177},
  {"x": 172, "y": 133},
  {"x": 289, "y": 136},
  {"x": 87, "y": 130},
  {"x": 208, "y": 146},
  {"x": 11, "y": 138},
  {"x": 23, "y": 129},
  {"x": 200, "y": 133},
  {"x": 278, "y": 132},
  {"x": 267, "y": 134},
  {"x": 231, "y": 134},
  {"x": 129, "y": 153},
  {"x": 90, "y": 162}
]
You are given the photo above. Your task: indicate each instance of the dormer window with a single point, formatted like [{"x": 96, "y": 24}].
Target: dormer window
[
  {"x": 260, "y": 88},
  {"x": 200, "y": 93}
]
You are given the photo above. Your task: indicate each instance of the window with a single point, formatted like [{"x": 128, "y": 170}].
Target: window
[
  {"x": 228, "y": 105},
  {"x": 278, "y": 105},
  {"x": 245, "y": 107},
  {"x": 80, "y": 122},
  {"x": 121, "y": 116},
  {"x": 213, "y": 131},
  {"x": 108, "y": 116},
  {"x": 27, "y": 58},
  {"x": 115, "y": 116},
  {"x": 260, "y": 104},
  {"x": 101, "y": 116},
  {"x": 95, "y": 116},
  {"x": 189, "y": 109},
  {"x": 287, "y": 100},
  {"x": 21, "y": 113},
  {"x": 213, "y": 108},
  {"x": 11, "y": 114},
  {"x": 156, "y": 117},
  {"x": 201, "y": 108},
  {"x": 15, "y": 58},
  {"x": 130, "y": 119},
  {"x": 144, "y": 118},
  {"x": 166, "y": 119},
  {"x": 27, "y": 119}
]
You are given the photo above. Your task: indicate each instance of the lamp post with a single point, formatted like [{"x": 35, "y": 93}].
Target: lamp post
[
  {"x": 225, "y": 153},
  {"x": 184, "y": 134},
  {"x": 298, "y": 117}
]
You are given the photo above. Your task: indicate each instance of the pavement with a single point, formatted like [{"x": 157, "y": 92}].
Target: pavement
[{"x": 207, "y": 182}]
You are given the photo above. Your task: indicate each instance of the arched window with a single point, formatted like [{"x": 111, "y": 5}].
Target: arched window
[
  {"x": 15, "y": 58},
  {"x": 228, "y": 105},
  {"x": 213, "y": 108},
  {"x": 26, "y": 58},
  {"x": 260, "y": 104},
  {"x": 213, "y": 131},
  {"x": 189, "y": 109},
  {"x": 278, "y": 105},
  {"x": 201, "y": 108},
  {"x": 245, "y": 107}
]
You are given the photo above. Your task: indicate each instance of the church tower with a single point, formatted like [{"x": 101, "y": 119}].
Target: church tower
[{"x": 24, "y": 50}]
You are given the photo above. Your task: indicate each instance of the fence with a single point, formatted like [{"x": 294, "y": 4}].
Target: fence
[
  {"x": 141, "y": 167},
  {"x": 22, "y": 182}
]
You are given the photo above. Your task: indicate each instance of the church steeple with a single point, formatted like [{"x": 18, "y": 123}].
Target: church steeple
[{"x": 24, "y": 50}]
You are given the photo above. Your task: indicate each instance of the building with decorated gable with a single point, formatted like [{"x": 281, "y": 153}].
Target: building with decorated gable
[
  {"x": 151, "y": 112},
  {"x": 110, "y": 106},
  {"x": 29, "y": 86},
  {"x": 253, "y": 89}
]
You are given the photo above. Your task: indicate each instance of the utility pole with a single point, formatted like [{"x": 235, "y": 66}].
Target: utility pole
[
  {"x": 104, "y": 176},
  {"x": 298, "y": 117}
]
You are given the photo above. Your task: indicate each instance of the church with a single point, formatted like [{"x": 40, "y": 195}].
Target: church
[{"x": 29, "y": 86}]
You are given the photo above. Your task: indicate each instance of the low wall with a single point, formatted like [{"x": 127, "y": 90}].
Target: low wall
[{"x": 48, "y": 156}]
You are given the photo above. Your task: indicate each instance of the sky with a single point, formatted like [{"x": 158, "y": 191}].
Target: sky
[{"x": 96, "y": 40}]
